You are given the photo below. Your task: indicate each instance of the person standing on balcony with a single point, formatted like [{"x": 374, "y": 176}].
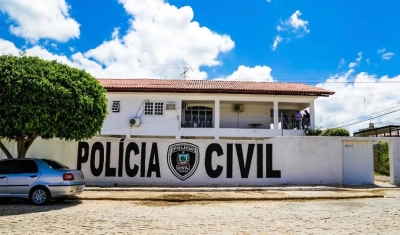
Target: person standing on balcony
[
  {"x": 285, "y": 121},
  {"x": 298, "y": 118},
  {"x": 306, "y": 119}
]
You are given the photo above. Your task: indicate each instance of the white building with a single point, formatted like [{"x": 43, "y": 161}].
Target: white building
[{"x": 205, "y": 109}]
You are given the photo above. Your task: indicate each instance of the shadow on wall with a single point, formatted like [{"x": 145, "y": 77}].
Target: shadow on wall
[{"x": 11, "y": 146}]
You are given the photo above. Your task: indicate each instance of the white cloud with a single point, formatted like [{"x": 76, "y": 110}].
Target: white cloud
[
  {"x": 357, "y": 60},
  {"x": 41, "y": 19},
  {"x": 294, "y": 24},
  {"x": 358, "y": 97},
  {"x": 380, "y": 51},
  {"x": 244, "y": 73},
  {"x": 141, "y": 52},
  {"x": 368, "y": 61},
  {"x": 7, "y": 47},
  {"x": 388, "y": 56},
  {"x": 385, "y": 56},
  {"x": 352, "y": 65},
  {"x": 291, "y": 26},
  {"x": 341, "y": 62},
  {"x": 277, "y": 40}
]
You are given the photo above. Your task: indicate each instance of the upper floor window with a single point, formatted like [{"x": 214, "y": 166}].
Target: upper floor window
[
  {"x": 198, "y": 117},
  {"x": 154, "y": 108},
  {"x": 115, "y": 106}
]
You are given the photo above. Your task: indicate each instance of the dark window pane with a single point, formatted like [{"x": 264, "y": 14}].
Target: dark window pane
[
  {"x": 54, "y": 164},
  {"x": 6, "y": 166},
  {"x": 26, "y": 167}
]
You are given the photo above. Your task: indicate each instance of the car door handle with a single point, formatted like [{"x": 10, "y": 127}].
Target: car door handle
[
  {"x": 33, "y": 176},
  {"x": 3, "y": 177}
]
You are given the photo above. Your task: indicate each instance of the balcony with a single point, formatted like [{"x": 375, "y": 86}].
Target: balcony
[{"x": 221, "y": 116}]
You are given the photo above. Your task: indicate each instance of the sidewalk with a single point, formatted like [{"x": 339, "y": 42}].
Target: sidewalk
[{"x": 186, "y": 194}]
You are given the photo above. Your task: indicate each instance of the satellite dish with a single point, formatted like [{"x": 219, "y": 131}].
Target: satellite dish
[{"x": 132, "y": 121}]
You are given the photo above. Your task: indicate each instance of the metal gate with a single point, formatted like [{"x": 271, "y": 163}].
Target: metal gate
[{"x": 358, "y": 162}]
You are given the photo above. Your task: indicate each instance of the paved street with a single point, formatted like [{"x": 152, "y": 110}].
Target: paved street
[{"x": 362, "y": 216}]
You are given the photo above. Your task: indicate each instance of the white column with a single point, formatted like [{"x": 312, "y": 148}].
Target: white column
[
  {"x": 216, "y": 114},
  {"x": 394, "y": 161},
  {"x": 276, "y": 115},
  {"x": 312, "y": 115}
]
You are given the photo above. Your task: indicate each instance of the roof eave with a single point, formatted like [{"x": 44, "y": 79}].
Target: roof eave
[{"x": 119, "y": 89}]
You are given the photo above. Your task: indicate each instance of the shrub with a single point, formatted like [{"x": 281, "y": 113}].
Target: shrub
[
  {"x": 311, "y": 132},
  {"x": 335, "y": 132}
]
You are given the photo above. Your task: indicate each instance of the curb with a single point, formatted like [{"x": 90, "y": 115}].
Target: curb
[
  {"x": 205, "y": 190},
  {"x": 228, "y": 199},
  {"x": 333, "y": 189}
]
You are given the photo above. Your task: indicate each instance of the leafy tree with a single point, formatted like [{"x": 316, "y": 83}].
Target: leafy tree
[
  {"x": 383, "y": 158},
  {"x": 335, "y": 132},
  {"x": 47, "y": 99}
]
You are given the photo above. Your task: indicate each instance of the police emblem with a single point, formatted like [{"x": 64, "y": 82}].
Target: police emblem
[{"x": 183, "y": 159}]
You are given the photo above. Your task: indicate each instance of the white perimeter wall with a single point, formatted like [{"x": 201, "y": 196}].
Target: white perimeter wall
[{"x": 300, "y": 160}]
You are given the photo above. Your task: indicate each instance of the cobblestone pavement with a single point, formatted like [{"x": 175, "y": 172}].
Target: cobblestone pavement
[{"x": 362, "y": 216}]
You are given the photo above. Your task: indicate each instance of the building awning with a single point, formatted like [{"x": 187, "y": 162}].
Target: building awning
[{"x": 385, "y": 131}]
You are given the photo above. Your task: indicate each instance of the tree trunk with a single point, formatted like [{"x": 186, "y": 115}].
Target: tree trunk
[
  {"x": 24, "y": 144},
  {"x": 21, "y": 148},
  {"x": 5, "y": 150}
]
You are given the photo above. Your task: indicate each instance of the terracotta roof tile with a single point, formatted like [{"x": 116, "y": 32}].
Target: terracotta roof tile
[{"x": 211, "y": 86}]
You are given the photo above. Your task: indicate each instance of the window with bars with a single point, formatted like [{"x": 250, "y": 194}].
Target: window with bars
[
  {"x": 115, "y": 106},
  {"x": 154, "y": 108}
]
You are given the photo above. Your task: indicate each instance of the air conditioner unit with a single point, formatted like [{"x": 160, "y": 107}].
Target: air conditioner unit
[
  {"x": 184, "y": 105},
  {"x": 170, "y": 106},
  {"x": 134, "y": 122},
  {"x": 238, "y": 108}
]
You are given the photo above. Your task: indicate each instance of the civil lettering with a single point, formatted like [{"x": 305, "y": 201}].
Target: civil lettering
[
  {"x": 244, "y": 163},
  {"x": 270, "y": 172},
  {"x": 244, "y": 167},
  {"x": 208, "y": 160}
]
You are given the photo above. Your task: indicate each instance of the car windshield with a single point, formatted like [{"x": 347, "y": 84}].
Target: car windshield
[{"x": 55, "y": 165}]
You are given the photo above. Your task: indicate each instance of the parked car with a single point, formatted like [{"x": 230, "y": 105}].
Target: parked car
[{"x": 39, "y": 180}]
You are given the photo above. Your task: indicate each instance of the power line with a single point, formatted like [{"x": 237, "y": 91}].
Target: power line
[
  {"x": 370, "y": 118},
  {"x": 363, "y": 113},
  {"x": 356, "y": 97}
]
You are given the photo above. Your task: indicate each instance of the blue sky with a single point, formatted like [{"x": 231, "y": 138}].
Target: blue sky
[
  {"x": 338, "y": 29},
  {"x": 329, "y": 43}
]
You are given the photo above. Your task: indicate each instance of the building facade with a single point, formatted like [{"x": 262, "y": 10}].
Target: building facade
[{"x": 205, "y": 109}]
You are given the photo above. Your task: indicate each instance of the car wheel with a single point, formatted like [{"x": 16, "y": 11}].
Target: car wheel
[{"x": 40, "y": 196}]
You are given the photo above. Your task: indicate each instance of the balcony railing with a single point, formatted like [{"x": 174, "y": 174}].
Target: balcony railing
[
  {"x": 291, "y": 123},
  {"x": 244, "y": 123},
  {"x": 197, "y": 124}
]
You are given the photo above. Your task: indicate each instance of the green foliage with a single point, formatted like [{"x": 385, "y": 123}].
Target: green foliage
[
  {"x": 48, "y": 99},
  {"x": 311, "y": 132},
  {"x": 383, "y": 159},
  {"x": 335, "y": 132}
]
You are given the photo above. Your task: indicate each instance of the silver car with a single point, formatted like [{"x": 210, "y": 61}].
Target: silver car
[{"x": 39, "y": 180}]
